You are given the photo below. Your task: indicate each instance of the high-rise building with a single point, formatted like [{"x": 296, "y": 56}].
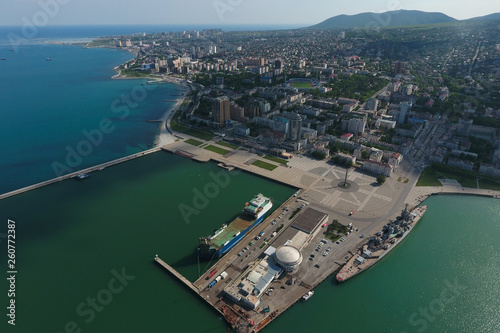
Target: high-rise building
[
  {"x": 219, "y": 81},
  {"x": 278, "y": 64},
  {"x": 252, "y": 109},
  {"x": 464, "y": 127},
  {"x": 258, "y": 62},
  {"x": 264, "y": 107},
  {"x": 295, "y": 127},
  {"x": 404, "y": 112},
  {"x": 371, "y": 104},
  {"x": 281, "y": 124},
  {"x": 221, "y": 110},
  {"x": 356, "y": 126},
  {"x": 236, "y": 112},
  {"x": 398, "y": 68}
]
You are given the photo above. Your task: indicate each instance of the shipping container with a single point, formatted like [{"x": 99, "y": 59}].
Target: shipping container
[{"x": 212, "y": 273}]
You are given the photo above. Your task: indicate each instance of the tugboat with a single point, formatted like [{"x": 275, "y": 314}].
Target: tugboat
[{"x": 308, "y": 295}]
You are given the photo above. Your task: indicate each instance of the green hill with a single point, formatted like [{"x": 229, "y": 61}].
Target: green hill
[
  {"x": 491, "y": 17},
  {"x": 382, "y": 20}
]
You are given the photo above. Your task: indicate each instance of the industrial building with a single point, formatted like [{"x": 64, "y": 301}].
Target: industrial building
[{"x": 250, "y": 285}]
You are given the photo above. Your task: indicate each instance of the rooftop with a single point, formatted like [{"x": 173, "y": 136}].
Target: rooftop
[{"x": 309, "y": 220}]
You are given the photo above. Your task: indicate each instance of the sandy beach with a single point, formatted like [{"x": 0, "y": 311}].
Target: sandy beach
[{"x": 165, "y": 134}]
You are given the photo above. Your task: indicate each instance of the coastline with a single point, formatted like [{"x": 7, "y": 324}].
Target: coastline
[{"x": 164, "y": 135}]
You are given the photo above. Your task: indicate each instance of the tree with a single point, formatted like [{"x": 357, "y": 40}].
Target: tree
[
  {"x": 381, "y": 179},
  {"x": 320, "y": 155},
  {"x": 335, "y": 148},
  {"x": 365, "y": 154}
]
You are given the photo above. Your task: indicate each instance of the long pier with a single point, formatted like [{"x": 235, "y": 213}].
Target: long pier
[
  {"x": 177, "y": 275},
  {"x": 73, "y": 174}
]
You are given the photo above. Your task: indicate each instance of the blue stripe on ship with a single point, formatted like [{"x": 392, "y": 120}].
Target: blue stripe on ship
[{"x": 237, "y": 239}]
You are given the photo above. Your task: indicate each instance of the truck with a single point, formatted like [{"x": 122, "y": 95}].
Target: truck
[
  {"x": 273, "y": 234},
  {"x": 212, "y": 273}
]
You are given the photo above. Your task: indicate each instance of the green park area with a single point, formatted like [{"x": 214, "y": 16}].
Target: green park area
[
  {"x": 226, "y": 144},
  {"x": 276, "y": 159},
  {"x": 174, "y": 123},
  {"x": 199, "y": 134},
  {"x": 265, "y": 165},
  {"x": 301, "y": 85},
  {"x": 194, "y": 142},
  {"x": 217, "y": 150},
  {"x": 431, "y": 174},
  {"x": 335, "y": 230}
]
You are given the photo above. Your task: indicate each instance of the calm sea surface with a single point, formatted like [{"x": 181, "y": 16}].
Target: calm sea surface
[
  {"x": 84, "y": 250},
  {"x": 73, "y": 237},
  {"x": 52, "y": 112}
]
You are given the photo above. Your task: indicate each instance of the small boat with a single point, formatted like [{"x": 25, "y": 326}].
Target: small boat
[
  {"x": 308, "y": 295},
  {"x": 11, "y": 50},
  {"x": 48, "y": 59},
  {"x": 82, "y": 175},
  {"x": 4, "y": 59}
]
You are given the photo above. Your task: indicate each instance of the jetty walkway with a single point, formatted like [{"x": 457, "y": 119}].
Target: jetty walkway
[
  {"x": 177, "y": 275},
  {"x": 73, "y": 174}
]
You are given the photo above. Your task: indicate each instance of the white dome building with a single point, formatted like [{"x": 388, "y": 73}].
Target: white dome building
[{"x": 288, "y": 257}]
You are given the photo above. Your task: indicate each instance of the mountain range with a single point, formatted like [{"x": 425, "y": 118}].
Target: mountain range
[{"x": 392, "y": 19}]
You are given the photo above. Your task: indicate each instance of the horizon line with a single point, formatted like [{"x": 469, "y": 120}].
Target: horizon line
[{"x": 303, "y": 25}]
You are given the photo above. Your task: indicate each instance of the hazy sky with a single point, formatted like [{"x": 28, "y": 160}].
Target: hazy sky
[{"x": 218, "y": 12}]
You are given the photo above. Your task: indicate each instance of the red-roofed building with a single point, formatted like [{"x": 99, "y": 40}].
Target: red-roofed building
[{"x": 346, "y": 137}]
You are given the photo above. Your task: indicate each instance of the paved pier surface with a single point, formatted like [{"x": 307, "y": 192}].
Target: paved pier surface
[{"x": 177, "y": 275}]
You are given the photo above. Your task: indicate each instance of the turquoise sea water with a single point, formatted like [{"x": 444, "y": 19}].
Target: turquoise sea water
[
  {"x": 72, "y": 235},
  {"x": 51, "y": 109}
]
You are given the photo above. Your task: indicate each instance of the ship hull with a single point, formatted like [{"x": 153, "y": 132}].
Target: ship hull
[
  {"x": 214, "y": 252},
  {"x": 349, "y": 270}
]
